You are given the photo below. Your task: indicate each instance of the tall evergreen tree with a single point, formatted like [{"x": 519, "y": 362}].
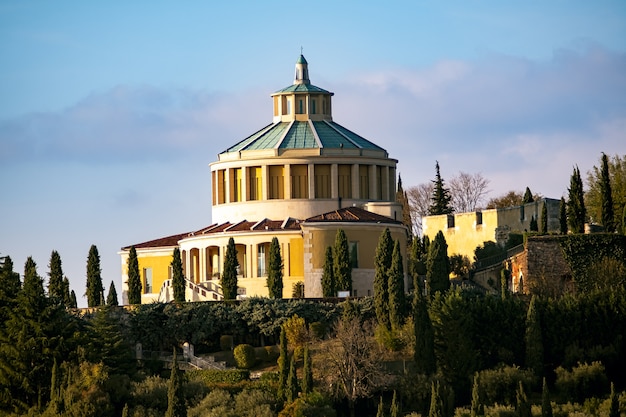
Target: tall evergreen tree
[
  {"x": 533, "y": 339},
  {"x": 67, "y": 301},
  {"x": 178, "y": 279},
  {"x": 292, "y": 382},
  {"x": 528, "y": 197},
  {"x": 307, "y": 372},
  {"x": 424, "y": 354},
  {"x": 397, "y": 302},
  {"x": 229, "y": 276},
  {"x": 543, "y": 223},
  {"x": 275, "y": 270},
  {"x": 283, "y": 367},
  {"x": 112, "y": 296},
  {"x": 436, "y": 404},
  {"x": 576, "y": 212},
  {"x": 175, "y": 394},
  {"x": 73, "y": 302},
  {"x": 401, "y": 197},
  {"x": 563, "y": 216},
  {"x": 341, "y": 262},
  {"x": 438, "y": 265},
  {"x": 417, "y": 257},
  {"x": 477, "y": 407},
  {"x": 441, "y": 196},
  {"x": 55, "y": 283},
  {"x": 546, "y": 405},
  {"x": 614, "y": 403},
  {"x": 95, "y": 290},
  {"x": 380, "y": 412},
  {"x": 10, "y": 283},
  {"x": 394, "y": 410},
  {"x": 382, "y": 264},
  {"x": 534, "y": 227},
  {"x": 523, "y": 406},
  {"x": 134, "y": 279},
  {"x": 606, "y": 196},
  {"x": 329, "y": 288}
]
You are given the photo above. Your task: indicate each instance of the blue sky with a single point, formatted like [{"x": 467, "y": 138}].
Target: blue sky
[{"x": 111, "y": 112}]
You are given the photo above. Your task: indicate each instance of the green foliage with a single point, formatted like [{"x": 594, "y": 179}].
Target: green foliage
[
  {"x": 292, "y": 388},
  {"x": 576, "y": 213},
  {"x": 380, "y": 412},
  {"x": 583, "y": 381},
  {"x": 394, "y": 409},
  {"x": 605, "y": 199},
  {"x": 55, "y": 284},
  {"x": 395, "y": 287},
  {"x": 436, "y": 404},
  {"x": 245, "y": 357},
  {"x": 229, "y": 276},
  {"x": 534, "y": 227},
  {"x": 296, "y": 332},
  {"x": 212, "y": 377},
  {"x": 10, "y": 283},
  {"x": 488, "y": 250},
  {"x": 440, "y": 201},
  {"x": 477, "y": 407},
  {"x": 563, "y": 216},
  {"x": 533, "y": 340},
  {"x": 460, "y": 265},
  {"x": 175, "y": 400},
  {"x": 314, "y": 404},
  {"x": 108, "y": 342},
  {"x": 178, "y": 279},
  {"x": 297, "y": 290},
  {"x": 438, "y": 265},
  {"x": 543, "y": 223},
  {"x": 382, "y": 265},
  {"x": 614, "y": 403},
  {"x": 226, "y": 342},
  {"x": 112, "y": 296},
  {"x": 584, "y": 254},
  {"x": 247, "y": 403},
  {"x": 134, "y": 279},
  {"x": 275, "y": 270},
  {"x": 341, "y": 262},
  {"x": 528, "y": 197},
  {"x": 522, "y": 405},
  {"x": 307, "y": 373},
  {"x": 417, "y": 256},
  {"x": 546, "y": 404},
  {"x": 498, "y": 385},
  {"x": 283, "y": 368},
  {"x": 329, "y": 287},
  {"x": 95, "y": 290},
  {"x": 424, "y": 353}
]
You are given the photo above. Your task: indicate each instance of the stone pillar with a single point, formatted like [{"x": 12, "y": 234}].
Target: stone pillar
[
  {"x": 311, "y": 177},
  {"x": 287, "y": 181},
  {"x": 355, "y": 182},
  {"x": 334, "y": 181},
  {"x": 265, "y": 175},
  {"x": 373, "y": 182},
  {"x": 385, "y": 182}
]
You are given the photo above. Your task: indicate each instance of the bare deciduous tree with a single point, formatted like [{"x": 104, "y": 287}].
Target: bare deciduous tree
[
  {"x": 352, "y": 366},
  {"x": 468, "y": 191},
  {"x": 419, "y": 197}
]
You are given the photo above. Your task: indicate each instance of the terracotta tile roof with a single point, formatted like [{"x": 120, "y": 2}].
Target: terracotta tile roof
[
  {"x": 351, "y": 214},
  {"x": 160, "y": 242}
]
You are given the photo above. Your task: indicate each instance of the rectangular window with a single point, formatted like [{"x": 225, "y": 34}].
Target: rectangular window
[
  {"x": 479, "y": 218},
  {"x": 236, "y": 185},
  {"x": 345, "y": 181},
  {"x": 364, "y": 182},
  {"x": 261, "y": 270},
  {"x": 354, "y": 254},
  {"x": 254, "y": 183},
  {"x": 300, "y": 106},
  {"x": 277, "y": 182},
  {"x": 313, "y": 106},
  {"x": 221, "y": 186},
  {"x": 450, "y": 221},
  {"x": 299, "y": 181},
  {"x": 147, "y": 280},
  {"x": 322, "y": 181}
]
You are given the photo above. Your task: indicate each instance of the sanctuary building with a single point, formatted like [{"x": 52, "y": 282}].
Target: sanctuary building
[{"x": 300, "y": 179}]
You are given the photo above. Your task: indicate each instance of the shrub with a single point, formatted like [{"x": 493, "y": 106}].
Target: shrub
[
  {"x": 318, "y": 330},
  {"x": 262, "y": 355},
  {"x": 216, "y": 403},
  {"x": 389, "y": 339},
  {"x": 583, "y": 381},
  {"x": 254, "y": 403},
  {"x": 150, "y": 393},
  {"x": 499, "y": 385},
  {"x": 245, "y": 356},
  {"x": 272, "y": 353},
  {"x": 226, "y": 342},
  {"x": 211, "y": 376}
]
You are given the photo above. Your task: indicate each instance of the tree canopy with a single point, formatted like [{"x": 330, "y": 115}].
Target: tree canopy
[
  {"x": 229, "y": 276},
  {"x": 440, "y": 201},
  {"x": 134, "y": 279},
  {"x": 95, "y": 289}
]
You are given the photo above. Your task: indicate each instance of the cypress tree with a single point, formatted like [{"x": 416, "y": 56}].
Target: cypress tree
[
  {"x": 533, "y": 224},
  {"x": 576, "y": 212},
  {"x": 402, "y": 198},
  {"x": 275, "y": 270},
  {"x": 307, "y": 373},
  {"x": 292, "y": 381},
  {"x": 283, "y": 368},
  {"x": 546, "y": 405},
  {"x": 534, "y": 344},
  {"x": 10, "y": 283},
  {"x": 523, "y": 407},
  {"x": 67, "y": 301},
  {"x": 440, "y": 201},
  {"x": 477, "y": 408},
  {"x": 329, "y": 288},
  {"x": 528, "y": 197},
  {"x": 55, "y": 284},
  {"x": 436, "y": 404},
  {"x": 95, "y": 290},
  {"x": 438, "y": 265},
  {"x": 394, "y": 410},
  {"x": 229, "y": 276},
  {"x": 380, "y": 412},
  {"x": 397, "y": 302},
  {"x": 382, "y": 264},
  {"x": 178, "y": 279},
  {"x": 424, "y": 354},
  {"x": 112, "y": 296},
  {"x": 134, "y": 279},
  {"x": 341, "y": 264},
  {"x": 614, "y": 406},
  {"x": 563, "y": 217},
  {"x": 543, "y": 224},
  {"x": 504, "y": 284},
  {"x": 606, "y": 196},
  {"x": 73, "y": 302},
  {"x": 175, "y": 394}
]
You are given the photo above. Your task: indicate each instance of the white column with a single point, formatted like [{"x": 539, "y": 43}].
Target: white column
[
  {"x": 265, "y": 177},
  {"x": 287, "y": 180},
  {"x": 311, "y": 176}
]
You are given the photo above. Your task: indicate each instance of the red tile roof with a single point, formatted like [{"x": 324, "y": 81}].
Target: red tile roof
[{"x": 352, "y": 214}]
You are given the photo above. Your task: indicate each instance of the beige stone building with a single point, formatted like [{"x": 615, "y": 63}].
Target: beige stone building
[{"x": 299, "y": 179}]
